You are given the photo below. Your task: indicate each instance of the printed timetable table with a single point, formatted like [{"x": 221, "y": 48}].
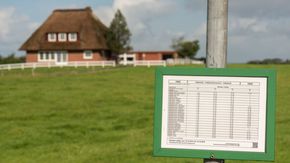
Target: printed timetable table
[{"x": 223, "y": 113}]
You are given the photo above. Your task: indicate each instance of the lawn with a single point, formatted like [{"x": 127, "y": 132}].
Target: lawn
[{"x": 96, "y": 115}]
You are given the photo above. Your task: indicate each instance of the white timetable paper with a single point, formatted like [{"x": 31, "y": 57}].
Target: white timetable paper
[{"x": 214, "y": 113}]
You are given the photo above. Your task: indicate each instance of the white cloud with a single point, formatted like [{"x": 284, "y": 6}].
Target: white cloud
[
  {"x": 260, "y": 8},
  {"x": 253, "y": 38},
  {"x": 143, "y": 6},
  {"x": 6, "y": 21},
  {"x": 105, "y": 13},
  {"x": 139, "y": 15},
  {"x": 243, "y": 26},
  {"x": 134, "y": 11},
  {"x": 259, "y": 29},
  {"x": 255, "y": 27},
  {"x": 14, "y": 29},
  {"x": 201, "y": 30}
]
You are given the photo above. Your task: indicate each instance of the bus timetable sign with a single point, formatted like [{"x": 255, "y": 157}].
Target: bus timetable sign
[{"x": 215, "y": 113}]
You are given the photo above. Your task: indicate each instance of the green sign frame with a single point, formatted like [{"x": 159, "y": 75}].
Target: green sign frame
[{"x": 268, "y": 155}]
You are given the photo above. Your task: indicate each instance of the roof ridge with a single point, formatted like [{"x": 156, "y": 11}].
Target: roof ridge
[{"x": 74, "y": 9}]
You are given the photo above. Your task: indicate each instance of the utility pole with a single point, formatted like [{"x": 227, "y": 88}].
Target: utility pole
[
  {"x": 217, "y": 31},
  {"x": 216, "y": 43}
]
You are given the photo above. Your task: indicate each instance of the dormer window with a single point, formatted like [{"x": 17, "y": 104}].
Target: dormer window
[
  {"x": 51, "y": 37},
  {"x": 62, "y": 37},
  {"x": 72, "y": 37}
]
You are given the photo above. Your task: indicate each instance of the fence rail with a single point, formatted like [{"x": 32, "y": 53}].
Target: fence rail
[
  {"x": 150, "y": 63},
  {"x": 51, "y": 64},
  {"x": 88, "y": 64},
  {"x": 180, "y": 61}
]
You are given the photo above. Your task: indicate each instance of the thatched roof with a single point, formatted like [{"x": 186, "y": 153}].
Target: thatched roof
[{"x": 91, "y": 31}]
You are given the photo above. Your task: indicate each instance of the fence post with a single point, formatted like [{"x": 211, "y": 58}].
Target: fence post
[
  {"x": 87, "y": 63},
  {"x": 148, "y": 63},
  {"x": 76, "y": 64},
  {"x": 125, "y": 59},
  {"x": 32, "y": 70},
  {"x": 103, "y": 64},
  {"x": 9, "y": 67},
  {"x": 164, "y": 64},
  {"x": 114, "y": 64},
  {"x": 22, "y": 66}
]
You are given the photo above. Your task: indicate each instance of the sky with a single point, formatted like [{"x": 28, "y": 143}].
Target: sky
[{"x": 257, "y": 29}]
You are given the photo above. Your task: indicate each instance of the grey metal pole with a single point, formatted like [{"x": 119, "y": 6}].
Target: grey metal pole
[
  {"x": 216, "y": 43},
  {"x": 217, "y": 31}
]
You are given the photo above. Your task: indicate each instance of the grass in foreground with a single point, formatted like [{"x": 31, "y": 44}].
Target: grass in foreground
[{"x": 101, "y": 115}]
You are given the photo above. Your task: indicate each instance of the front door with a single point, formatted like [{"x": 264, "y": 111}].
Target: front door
[{"x": 61, "y": 57}]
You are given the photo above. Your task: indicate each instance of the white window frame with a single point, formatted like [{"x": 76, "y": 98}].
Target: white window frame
[
  {"x": 88, "y": 57},
  {"x": 70, "y": 38},
  {"x": 50, "y": 38},
  {"x": 52, "y": 56},
  {"x": 42, "y": 56},
  {"x": 62, "y": 39}
]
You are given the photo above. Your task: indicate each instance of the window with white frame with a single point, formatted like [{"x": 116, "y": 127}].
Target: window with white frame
[
  {"x": 41, "y": 56},
  {"x": 51, "y": 37},
  {"x": 62, "y": 37},
  {"x": 72, "y": 37},
  {"x": 88, "y": 54},
  {"x": 51, "y": 55},
  {"x": 46, "y": 56}
]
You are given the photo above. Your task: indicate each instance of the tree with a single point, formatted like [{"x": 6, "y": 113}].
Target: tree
[
  {"x": 185, "y": 49},
  {"x": 118, "y": 36},
  {"x": 11, "y": 58}
]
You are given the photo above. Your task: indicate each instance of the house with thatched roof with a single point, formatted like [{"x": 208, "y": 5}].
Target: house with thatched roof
[{"x": 68, "y": 35}]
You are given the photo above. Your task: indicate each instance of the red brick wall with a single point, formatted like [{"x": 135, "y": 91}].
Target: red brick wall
[
  {"x": 31, "y": 57},
  {"x": 72, "y": 56},
  {"x": 78, "y": 56},
  {"x": 149, "y": 56}
]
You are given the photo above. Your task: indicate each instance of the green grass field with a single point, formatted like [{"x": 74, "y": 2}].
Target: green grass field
[{"x": 103, "y": 115}]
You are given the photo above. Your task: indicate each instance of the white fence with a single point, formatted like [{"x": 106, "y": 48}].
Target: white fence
[
  {"x": 51, "y": 64},
  {"x": 88, "y": 64},
  {"x": 150, "y": 63},
  {"x": 127, "y": 59},
  {"x": 180, "y": 61}
]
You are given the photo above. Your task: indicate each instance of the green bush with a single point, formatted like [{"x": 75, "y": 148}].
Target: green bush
[
  {"x": 269, "y": 61},
  {"x": 12, "y": 59}
]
